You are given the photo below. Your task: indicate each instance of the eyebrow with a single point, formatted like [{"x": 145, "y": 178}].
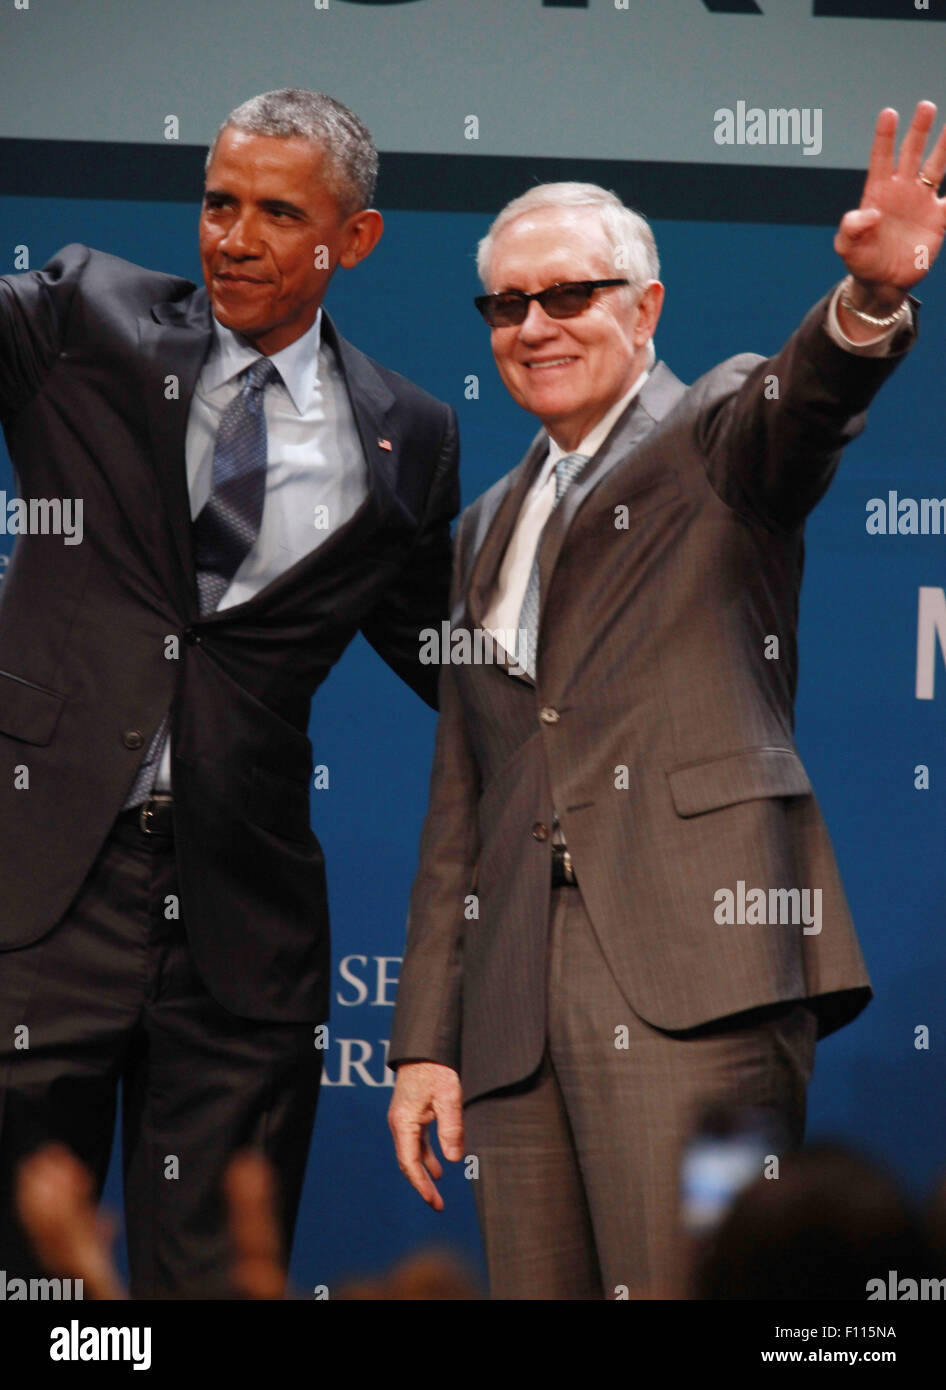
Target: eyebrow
[
  {"x": 268, "y": 204},
  {"x": 569, "y": 280}
]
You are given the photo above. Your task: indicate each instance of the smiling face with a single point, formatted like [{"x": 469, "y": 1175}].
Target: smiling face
[
  {"x": 568, "y": 372},
  {"x": 266, "y": 213}
]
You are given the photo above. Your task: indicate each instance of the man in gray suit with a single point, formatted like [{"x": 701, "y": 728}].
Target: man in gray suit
[{"x": 627, "y": 906}]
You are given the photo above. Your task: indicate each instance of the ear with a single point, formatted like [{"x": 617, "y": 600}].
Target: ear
[
  {"x": 648, "y": 312},
  {"x": 360, "y": 235}
]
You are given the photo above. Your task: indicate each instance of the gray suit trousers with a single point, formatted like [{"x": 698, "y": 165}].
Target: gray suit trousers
[{"x": 578, "y": 1186}]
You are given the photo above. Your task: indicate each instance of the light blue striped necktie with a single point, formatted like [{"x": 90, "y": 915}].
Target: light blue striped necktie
[{"x": 567, "y": 470}]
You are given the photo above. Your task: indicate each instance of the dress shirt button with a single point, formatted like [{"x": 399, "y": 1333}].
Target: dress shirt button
[
  {"x": 548, "y": 715},
  {"x": 132, "y": 738},
  {"x": 540, "y": 831}
]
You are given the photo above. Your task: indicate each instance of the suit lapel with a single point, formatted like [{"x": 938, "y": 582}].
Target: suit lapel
[
  {"x": 655, "y": 398},
  {"x": 174, "y": 341},
  {"x": 372, "y": 403},
  {"x": 494, "y": 525},
  {"x": 501, "y": 505}
]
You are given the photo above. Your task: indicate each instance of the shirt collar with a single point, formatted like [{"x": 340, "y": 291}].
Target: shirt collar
[
  {"x": 596, "y": 436},
  {"x": 297, "y": 364}
]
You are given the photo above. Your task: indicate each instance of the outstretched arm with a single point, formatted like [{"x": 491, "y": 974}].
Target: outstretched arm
[
  {"x": 34, "y": 308},
  {"x": 774, "y": 442}
]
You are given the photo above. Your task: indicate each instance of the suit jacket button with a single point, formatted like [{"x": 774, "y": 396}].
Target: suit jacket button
[
  {"x": 132, "y": 738},
  {"x": 548, "y": 715},
  {"x": 540, "y": 831},
  {"x": 191, "y": 637}
]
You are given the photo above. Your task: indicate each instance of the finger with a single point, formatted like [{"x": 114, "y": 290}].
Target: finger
[
  {"x": 255, "y": 1248},
  {"x": 430, "y": 1160},
  {"x": 54, "y": 1186},
  {"x": 882, "y": 150},
  {"x": 854, "y": 224},
  {"x": 934, "y": 166},
  {"x": 55, "y": 1195},
  {"x": 106, "y": 1224},
  {"x": 450, "y": 1130},
  {"x": 408, "y": 1146},
  {"x": 251, "y": 1208},
  {"x": 911, "y": 151}
]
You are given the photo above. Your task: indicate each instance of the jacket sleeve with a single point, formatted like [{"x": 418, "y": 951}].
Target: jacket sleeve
[
  {"x": 418, "y": 597},
  {"x": 34, "y": 309},
  {"x": 774, "y": 442},
  {"x": 427, "y": 1016}
]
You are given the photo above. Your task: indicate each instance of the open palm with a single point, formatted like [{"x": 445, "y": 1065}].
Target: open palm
[{"x": 893, "y": 238}]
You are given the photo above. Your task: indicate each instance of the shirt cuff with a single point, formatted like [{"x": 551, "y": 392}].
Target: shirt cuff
[{"x": 874, "y": 347}]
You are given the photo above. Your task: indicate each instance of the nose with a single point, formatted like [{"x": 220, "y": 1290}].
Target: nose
[
  {"x": 241, "y": 238},
  {"x": 536, "y": 325}
]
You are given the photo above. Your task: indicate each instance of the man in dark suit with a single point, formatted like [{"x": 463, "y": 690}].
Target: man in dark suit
[
  {"x": 252, "y": 490},
  {"x": 627, "y": 906}
]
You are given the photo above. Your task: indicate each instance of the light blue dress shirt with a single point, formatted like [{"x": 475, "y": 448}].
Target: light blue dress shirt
[{"x": 316, "y": 473}]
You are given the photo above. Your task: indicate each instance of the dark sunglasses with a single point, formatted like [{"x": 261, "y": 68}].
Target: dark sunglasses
[{"x": 558, "y": 301}]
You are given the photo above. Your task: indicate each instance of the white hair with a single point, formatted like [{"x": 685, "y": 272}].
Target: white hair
[{"x": 632, "y": 243}]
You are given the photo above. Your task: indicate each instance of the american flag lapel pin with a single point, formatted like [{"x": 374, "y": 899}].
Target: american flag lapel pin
[{"x": 384, "y": 444}]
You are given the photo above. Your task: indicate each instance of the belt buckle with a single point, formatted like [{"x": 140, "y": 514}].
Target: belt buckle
[{"x": 149, "y": 812}]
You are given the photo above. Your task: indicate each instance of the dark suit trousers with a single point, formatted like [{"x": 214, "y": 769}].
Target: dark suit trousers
[
  {"x": 109, "y": 995},
  {"x": 579, "y": 1166}
]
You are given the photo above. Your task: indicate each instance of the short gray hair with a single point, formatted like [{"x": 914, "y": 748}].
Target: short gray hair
[
  {"x": 351, "y": 157},
  {"x": 629, "y": 235}
]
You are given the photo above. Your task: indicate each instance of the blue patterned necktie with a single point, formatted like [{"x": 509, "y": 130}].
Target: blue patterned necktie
[
  {"x": 566, "y": 471},
  {"x": 228, "y": 524}
]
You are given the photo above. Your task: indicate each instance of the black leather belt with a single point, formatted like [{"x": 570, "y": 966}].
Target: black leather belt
[
  {"x": 563, "y": 872},
  {"x": 156, "y": 815}
]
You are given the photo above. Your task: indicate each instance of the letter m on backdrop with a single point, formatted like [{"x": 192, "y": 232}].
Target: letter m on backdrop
[{"x": 930, "y": 634}]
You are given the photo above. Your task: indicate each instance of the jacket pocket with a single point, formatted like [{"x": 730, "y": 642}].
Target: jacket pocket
[
  {"x": 279, "y": 804},
  {"x": 28, "y": 712},
  {"x": 711, "y": 783}
]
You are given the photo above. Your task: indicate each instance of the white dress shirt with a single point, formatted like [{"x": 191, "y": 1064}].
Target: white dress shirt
[
  {"x": 502, "y": 615},
  {"x": 314, "y": 457}
]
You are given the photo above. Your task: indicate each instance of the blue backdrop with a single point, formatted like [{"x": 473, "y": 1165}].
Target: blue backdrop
[{"x": 861, "y": 730}]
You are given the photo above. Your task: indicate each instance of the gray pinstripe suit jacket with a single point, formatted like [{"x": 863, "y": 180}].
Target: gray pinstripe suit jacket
[{"x": 651, "y": 658}]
